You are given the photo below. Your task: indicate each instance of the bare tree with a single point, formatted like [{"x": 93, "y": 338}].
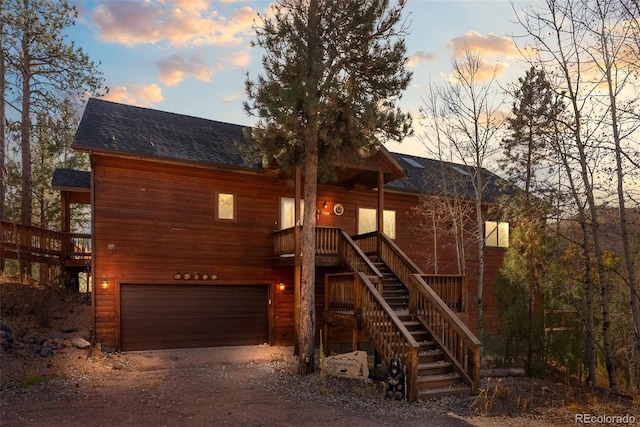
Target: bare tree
[
  {"x": 613, "y": 47},
  {"x": 468, "y": 120},
  {"x": 584, "y": 46}
]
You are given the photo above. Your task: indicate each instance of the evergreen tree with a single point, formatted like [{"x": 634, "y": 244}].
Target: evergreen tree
[
  {"x": 333, "y": 73},
  {"x": 44, "y": 71},
  {"x": 532, "y": 123}
]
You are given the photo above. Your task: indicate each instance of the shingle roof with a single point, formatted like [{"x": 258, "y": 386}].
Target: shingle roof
[
  {"x": 119, "y": 128},
  {"x": 70, "y": 178},
  {"x": 443, "y": 178}
]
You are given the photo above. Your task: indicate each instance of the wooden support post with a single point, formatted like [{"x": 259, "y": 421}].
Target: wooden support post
[{"x": 380, "y": 211}]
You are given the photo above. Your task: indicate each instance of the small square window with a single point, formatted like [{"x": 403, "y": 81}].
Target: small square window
[
  {"x": 226, "y": 206},
  {"x": 496, "y": 234}
]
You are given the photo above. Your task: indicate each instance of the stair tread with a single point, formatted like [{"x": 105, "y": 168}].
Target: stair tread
[
  {"x": 459, "y": 388},
  {"x": 438, "y": 377},
  {"x": 437, "y": 364}
]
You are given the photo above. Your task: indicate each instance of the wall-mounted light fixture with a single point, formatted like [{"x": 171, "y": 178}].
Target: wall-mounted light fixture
[
  {"x": 324, "y": 204},
  {"x": 281, "y": 286},
  {"x": 105, "y": 283}
]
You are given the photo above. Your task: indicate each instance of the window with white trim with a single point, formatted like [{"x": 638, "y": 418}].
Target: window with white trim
[
  {"x": 496, "y": 234},
  {"x": 367, "y": 221},
  {"x": 287, "y": 212}
]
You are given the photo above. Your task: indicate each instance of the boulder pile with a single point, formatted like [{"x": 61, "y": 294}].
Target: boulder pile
[{"x": 26, "y": 343}]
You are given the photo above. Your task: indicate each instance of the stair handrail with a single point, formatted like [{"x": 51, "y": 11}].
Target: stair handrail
[
  {"x": 459, "y": 344},
  {"x": 397, "y": 261},
  {"x": 359, "y": 261},
  {"x": 389, "y": 335},
  {"x": 465, "y": 358}
]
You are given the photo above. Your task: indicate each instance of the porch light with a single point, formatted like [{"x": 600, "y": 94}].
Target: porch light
[
  {"x": 324, "y": 204},
  {"x": 281, "y": 286},
  {"x": 105, "y": 283}
]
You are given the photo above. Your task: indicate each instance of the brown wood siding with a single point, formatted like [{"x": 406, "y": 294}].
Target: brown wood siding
[
  {"x": 172, "y": 316},
  {"x": 152, "y": 221}
]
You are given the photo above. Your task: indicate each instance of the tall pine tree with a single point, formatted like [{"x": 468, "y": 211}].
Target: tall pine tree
[
  {"x": 533, "y": 122},
  {"x": 333, "y": 72},
  {"x": 44, "y": 71}
]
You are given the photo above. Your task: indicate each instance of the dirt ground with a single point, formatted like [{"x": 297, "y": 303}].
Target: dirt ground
[{"x": 249, "y": 386}]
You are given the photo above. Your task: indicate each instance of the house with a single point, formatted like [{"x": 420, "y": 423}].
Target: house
[{"x": 193, "y": 247}]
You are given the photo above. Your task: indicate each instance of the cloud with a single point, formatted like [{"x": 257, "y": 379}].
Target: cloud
[
  {"x": 485, "y": 71},
  {"x": 421, "y": 56},
  {"x": 238, "y": 59},
  {"x": 230, "y": 98},
  {"x": 178, "y": 67},
  {"x": 142, "y": 96},
  {"x": 179, "y": 23},
  {"x": 487, "y": 44}
]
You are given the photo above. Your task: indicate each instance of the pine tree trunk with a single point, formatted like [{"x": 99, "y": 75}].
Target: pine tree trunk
[
  {"x": 307, "y": 285},
  {"x": 3, "y": 181},
  {"x": 25, "y": 139}
]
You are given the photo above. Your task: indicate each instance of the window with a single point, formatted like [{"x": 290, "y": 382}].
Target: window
[
  {"x": 367, "y": 221},
  {"x": 226, "y": 206},
  {"x": 496, "y": 234},
  {"x": 287, "y": 212}
]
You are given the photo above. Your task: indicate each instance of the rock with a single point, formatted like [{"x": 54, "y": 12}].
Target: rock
[
  {"x": 46, "y": 351},
  {"x": 109, "y": 350},
  {"x": 80, "y": 343},
  {"x": 5, "y": 327},
  {"x": 6, "y": 341},
  {"x": 348, "y": 365}
]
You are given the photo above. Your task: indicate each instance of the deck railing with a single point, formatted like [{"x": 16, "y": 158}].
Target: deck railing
[
  {"x": 327, "y": 241},
  {"x": 355, "y": 291},
  {"x": 461, "y": 347},
  {"x": 451, "y": 288},
  {"x": 37, "y": 244},
  {"x": 448, "y": 331}
]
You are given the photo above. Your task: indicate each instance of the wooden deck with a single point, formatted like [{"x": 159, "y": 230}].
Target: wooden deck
[{"x": 34, "y": 244}]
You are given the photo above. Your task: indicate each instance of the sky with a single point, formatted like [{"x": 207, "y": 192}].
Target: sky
[{"x": 192, "y": 56}]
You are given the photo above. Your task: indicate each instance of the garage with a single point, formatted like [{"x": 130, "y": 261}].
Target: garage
[{"x": 186, "y": 316}]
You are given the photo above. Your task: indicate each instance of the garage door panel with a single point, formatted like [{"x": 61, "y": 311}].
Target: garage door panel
[{"x": 179, "y": 316}]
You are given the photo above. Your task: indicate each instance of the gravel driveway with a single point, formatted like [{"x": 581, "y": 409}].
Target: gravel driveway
[{"x": 247, "y": 386}]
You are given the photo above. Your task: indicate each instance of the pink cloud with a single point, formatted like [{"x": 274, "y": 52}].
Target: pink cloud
[
  {"x": 179, "y": 23},
  {"x": 484, "y": 44},
  {"x": 142, "y": 96},
  {"x": 421, "y": 56},
  {"x": 176, "y": 68},
  {"x": 486, "y": 70}
]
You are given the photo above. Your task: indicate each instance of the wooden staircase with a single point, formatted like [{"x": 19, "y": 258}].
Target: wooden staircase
[{"x": 436, "y": 376}]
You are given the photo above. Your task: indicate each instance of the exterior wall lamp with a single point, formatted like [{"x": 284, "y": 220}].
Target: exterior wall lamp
[
  {"x": 281, "y": 286},
  {"x": 105, "y": 283}
]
